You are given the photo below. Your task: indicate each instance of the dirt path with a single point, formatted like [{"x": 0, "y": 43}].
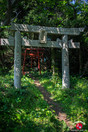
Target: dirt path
[{"x": 53, "y": 105}]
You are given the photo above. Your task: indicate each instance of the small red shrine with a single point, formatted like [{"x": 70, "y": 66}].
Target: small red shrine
[{"x": 34, "y": 53}]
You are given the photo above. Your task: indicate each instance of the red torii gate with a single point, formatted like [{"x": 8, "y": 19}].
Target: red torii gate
[{"x": 35, "y": 53}]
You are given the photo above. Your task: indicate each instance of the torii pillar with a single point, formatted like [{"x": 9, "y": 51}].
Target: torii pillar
[
  {"x": 65, "y": 62},
  {"x": 17, "y": 60},
  {"x": 42, "y": 42}
]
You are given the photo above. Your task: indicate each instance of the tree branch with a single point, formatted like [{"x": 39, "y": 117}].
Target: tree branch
[
  {"x": 8, "y": 15},
  {"x": 7, "y": 19},
  {"x": 75, "y": 12}
]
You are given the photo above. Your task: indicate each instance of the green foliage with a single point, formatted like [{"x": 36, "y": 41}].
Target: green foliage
[
  {"x": 24, "y": 109},
  {"x": 4, "y": 27},
  {"x": 74, "y": 101},
  {"x": 63, "y": 13}
]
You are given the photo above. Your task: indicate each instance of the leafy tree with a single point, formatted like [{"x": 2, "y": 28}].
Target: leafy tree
[{"x": 62, "y": 13}]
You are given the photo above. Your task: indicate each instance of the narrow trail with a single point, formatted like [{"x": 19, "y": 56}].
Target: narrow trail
[{"x": 52, "y": 104}]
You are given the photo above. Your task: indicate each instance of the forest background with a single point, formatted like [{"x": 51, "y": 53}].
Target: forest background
[
  {"x": 26, "y": 109},
  {"x": 51, "y": 13}
]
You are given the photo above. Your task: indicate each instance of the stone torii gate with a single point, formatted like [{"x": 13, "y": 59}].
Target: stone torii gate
[{"x": 17, "y": 41}]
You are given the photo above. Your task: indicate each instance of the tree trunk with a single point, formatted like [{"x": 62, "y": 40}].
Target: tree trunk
[{"x": 80, "y": 62}]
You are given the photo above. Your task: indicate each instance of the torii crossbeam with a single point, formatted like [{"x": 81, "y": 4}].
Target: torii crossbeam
[{"x": 17, "y": 41}]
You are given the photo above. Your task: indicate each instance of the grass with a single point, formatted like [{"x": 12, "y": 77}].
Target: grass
[
  {"x": 74, "y": 101},
  {"x": 25, "y": 110}
]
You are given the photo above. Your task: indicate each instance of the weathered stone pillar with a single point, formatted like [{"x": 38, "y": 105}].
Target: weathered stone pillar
[
  {"x": 65, "y": 63},
  {"x": 53, "y": 60},
  {"x": 17, "y": 60}
]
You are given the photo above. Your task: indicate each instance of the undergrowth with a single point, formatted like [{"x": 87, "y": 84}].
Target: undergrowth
[
  {"x": 25, "y": 110},
  {"x": 74, "y": 101}
]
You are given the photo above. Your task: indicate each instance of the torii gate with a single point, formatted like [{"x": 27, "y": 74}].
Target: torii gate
[{"x": 18, "y": 41}]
